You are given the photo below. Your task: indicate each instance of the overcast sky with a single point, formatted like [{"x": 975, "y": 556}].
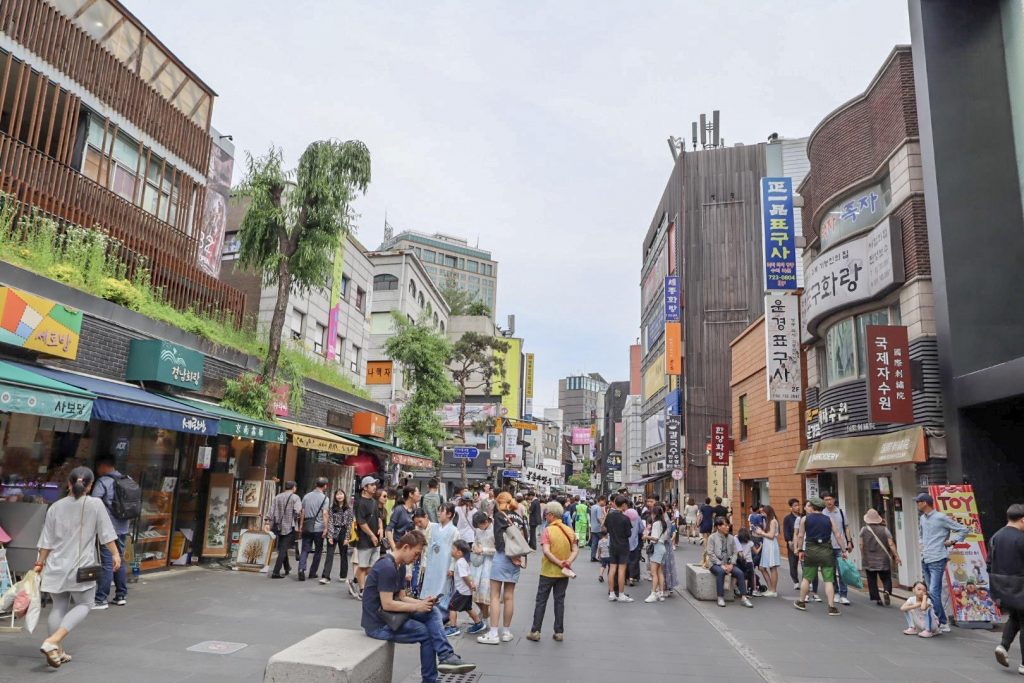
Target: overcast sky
[{"x": 537, "y": 128}]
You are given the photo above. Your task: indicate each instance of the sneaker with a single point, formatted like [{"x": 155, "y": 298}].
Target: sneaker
[
  {"x": 843, "y": 600},
  {"x": 913, "y": 632},
  {"x": 558, "y": 636},
  {"x": 352, "y": 590},
  {"x": 454, "y": 665},
  {"x": 769, "y": 594},
  {"x": 815, "y": 597},
  {"x": 833, "y": 611},
  {"x": 800, "y": 605},
  {"x": 120, "y": 602},
  {"x": 1020, "y": 669},
  {"x": 1001, "y": 656},
  {"x": 476, "y": 628},
  {"x": 489, "y": 638},
  {"x": 745, "y": 601},
  {"x": 796, "y": 586},
  {"x": 653, "y": 597},
  {"x": 324, "y": 581},
  {"x": 276, "y": 576},
  {"x": 452, "y": 632},
  {"x": 100, "y": 605},
  {"x": 721, "y": 602},
  {"x": 925, "y": 634},
  {"x": 944, "y": 628},
  {"x": 661, "y": 596},
  {"x": 886, "y": 598},
  {"x": 600, "y": 579},
  {"x": 624, "y": 598},
  {"x": 507, "y": 637},
  {"x": 759, "y": 593},
  {"x": 533, "y": 636},
  {"x": 611, "y": 597},
  {"x": 302, "y": 575}
]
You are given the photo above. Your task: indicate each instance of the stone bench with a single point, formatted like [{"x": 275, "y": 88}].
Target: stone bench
[
  {"x": 333, "y": 655},
  {"x": 700, "y": 582}
]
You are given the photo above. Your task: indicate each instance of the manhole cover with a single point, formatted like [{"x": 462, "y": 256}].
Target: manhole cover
[
  {"x": 459, "y": 678},
  {"x": 216, "y": 647}
]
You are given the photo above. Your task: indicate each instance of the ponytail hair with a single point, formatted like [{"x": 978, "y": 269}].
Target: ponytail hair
[{"x": 80, "y": 479}]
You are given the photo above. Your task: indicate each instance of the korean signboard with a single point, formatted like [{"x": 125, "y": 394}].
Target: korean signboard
[
  {"x": 528, "y": 389},
  {"x": 613, "y": 462},
  {"x": 38, "y": 324},
  {"x": 674, "y": 348},
  {"x": 673, "y": 301},
  {"x": 719, "y": 444},
  {"x": 854, "y": 214},
  {"x": 379, "y": 371},
  {"x": 673, "y": 402},
  {"x": 475, "y": 412},
  {"x": 532, "y": 475},
  {"x": 510, "y": 438},
  {"x": 889, "y": 385},
  {"x": 654, "y": 377},
  {"x": 655, "y": 328},
  {"x": 673, "y": 442},
  {"x": 779, "y": 234},
  {"x": 581, "y": 436},
  {"x": 782, "y": 345},
  {"x": 215, "y": 211},
  {"x": 856, "y": 271},
  {"x": 161, "y": 361},
  {"x": 654, "y": 277}
]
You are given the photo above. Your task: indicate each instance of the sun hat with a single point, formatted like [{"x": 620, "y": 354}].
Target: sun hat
[{"x": 872, "y": 517}]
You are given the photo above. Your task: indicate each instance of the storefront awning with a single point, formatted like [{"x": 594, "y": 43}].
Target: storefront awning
[
  {"x": 651, "y": 478},
  {"x": 128, "y": 404},
  {"x": 25, "y": 391},
  {"x": 876, "y": 450},
  {"x": 236, "y": 424},
  {"x": 316, "y": 439},
  {"x": 398, "y": 455}
]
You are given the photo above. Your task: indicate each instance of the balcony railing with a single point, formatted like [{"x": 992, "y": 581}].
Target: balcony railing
[
  {"x": 41, "y": 28},
  {"x": 39, "y": 182}
]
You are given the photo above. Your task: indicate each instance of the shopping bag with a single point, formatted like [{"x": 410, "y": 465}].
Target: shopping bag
[
  {"x": 849, "y": 573},
  {"x": 25, "y": 600}
]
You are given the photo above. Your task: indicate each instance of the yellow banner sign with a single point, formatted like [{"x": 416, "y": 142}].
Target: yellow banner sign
[
  {"x": 529, "y": 375},
  {"x": 525, "y": 426},
  {"x": 654, "y": 377},
  {"x": 35, "y": 323}
]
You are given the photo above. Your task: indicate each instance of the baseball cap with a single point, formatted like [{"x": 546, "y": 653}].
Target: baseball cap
[
  {"x": 924, "y": 498},
  {"x": 367, "y": 481},
  {"x": 816, "y": 503}
]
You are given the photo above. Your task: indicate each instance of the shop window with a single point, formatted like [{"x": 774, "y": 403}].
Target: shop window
[
  {"x": 320, "y": 340},
  {"x": 344, "y": 287},
  {"x": 450, "y": 261},
  {"x": 743, "y": 417},
  {"x": 846, "y": 346},
  {"x": 472, "y": 266},
  {"x": 780, "y": 416},
  {"x": 339, "y": 351},
  {"x": 428, "y": 256},
  {"x": 385, "y": 283},
  {"x": 296, "y": 322},
  {"x": 354, "y": 367}
]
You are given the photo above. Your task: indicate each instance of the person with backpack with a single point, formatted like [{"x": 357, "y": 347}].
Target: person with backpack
[
  {"x": 122, "y": 497},
  {"x": 315, "y": 514}
]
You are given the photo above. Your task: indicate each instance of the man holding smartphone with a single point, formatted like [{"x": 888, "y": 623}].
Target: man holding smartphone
[{"x": 385, "y": 592}]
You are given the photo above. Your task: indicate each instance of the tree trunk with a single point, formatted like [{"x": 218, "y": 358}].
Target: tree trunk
[{"x": 284, "y": 285}]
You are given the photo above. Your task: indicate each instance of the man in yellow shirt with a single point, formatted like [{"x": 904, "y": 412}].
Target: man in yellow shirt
[{"x": 560, "y": 546}]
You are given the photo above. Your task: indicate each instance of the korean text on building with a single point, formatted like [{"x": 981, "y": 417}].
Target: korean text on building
[{"x": 779, "y": 234}]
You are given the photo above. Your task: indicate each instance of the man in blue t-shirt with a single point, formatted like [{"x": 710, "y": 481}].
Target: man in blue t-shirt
[{"x": 385, "y": 590}]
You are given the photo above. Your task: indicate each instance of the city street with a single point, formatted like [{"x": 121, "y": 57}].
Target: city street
[{"x": 677, "y": 640}]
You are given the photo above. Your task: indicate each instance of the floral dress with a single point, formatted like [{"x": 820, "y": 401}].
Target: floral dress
[{"x": 483, "y": 558}]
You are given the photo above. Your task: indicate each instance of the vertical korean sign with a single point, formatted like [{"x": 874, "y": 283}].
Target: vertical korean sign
[
  {"x": 335, "y": 311},
  {"x": 779, "y": 234},
  {"x": 782, "y": 346},
  {"x": 966, "y": 571},
  {"x": 889, "y": 384},
  {"x": 720, "y": 444},
  {"x": 673, "y": 442},
  {"x": 529, "y": 384}
]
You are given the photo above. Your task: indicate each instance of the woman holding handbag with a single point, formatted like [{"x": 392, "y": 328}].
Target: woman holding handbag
[
  {"x": 339, "y": 527},
  {"x": 511, "y": 548},
  {"x": 878, "y": 551},
  {"x": 68, "y": 560}
]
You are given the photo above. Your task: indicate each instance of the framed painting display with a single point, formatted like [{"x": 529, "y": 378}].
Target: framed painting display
[
  {"x": 250, "y": 492},
  {"x": 254, "y": 549},
  {"x": 218, "y": 511}
]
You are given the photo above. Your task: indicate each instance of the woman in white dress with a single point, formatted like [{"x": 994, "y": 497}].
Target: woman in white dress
[
  {"x": 770, "y": 556},
  {"x": 483, "y": 558},
  {"x": 67, "y": 544}
]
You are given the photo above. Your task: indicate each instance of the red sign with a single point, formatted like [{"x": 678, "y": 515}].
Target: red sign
[
  {"x": 889, "y": 384},
  {"x": 719, "y": 444},
  {"x": 279, "y": 400}
]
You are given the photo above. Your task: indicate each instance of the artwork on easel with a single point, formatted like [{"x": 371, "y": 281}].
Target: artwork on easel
[
  {"x": 218, "y": 509},
  {"x": 249, "y": 497},
  {"x": 254, "y": 549}
]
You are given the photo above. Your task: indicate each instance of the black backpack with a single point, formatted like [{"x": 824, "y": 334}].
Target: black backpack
[{"x": 127, "y": 501}]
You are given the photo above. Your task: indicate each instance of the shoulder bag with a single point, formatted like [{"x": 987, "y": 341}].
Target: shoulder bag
[
  {"x": 516, "y": 544},
  {"x": 91, "y": 572},
  {"x": 311, "y": 522},
  {"x": 394, "y": 620}
]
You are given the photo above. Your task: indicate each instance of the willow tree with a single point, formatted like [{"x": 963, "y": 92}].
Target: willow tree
[
  {"x": 296, "y": 220},
  {"x": 477, "y": 363}
]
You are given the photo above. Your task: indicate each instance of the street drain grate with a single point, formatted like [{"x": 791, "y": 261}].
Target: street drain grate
[
  {"x": 216, "y": 647},
  {"x": 459, "y": 678}
]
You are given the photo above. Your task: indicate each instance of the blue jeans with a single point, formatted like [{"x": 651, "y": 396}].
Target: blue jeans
[
  {"x": 841, "y": 588},
  {"x": 311, "y": 540},
  {"x": 739, "y": 579},
  {"x": 594, "y": 540},
  {"x": 933, "y": 573},
  {"x": 426, "y": 629},
  {"x": 120, "y": 578}
]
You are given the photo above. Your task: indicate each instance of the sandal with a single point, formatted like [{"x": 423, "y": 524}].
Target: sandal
[
  {"x": 52, "y": 654},
  {"x": 64, "y": 657}
]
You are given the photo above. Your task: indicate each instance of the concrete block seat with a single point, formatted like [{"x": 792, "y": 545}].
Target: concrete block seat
[
  {"x": 700, "y": 582},
  {"x": 334, "y": 655}
]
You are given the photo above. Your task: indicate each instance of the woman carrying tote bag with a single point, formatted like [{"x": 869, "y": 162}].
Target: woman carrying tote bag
[{"x": 508, "y": 559}]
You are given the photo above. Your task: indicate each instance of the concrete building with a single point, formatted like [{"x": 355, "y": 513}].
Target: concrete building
[
  {"x": 400, "y": 284},
  {"x": 102, "y": 125},
  {"x": 446, "y": 257},
  {"x": 610, "y": 449},
  {"x": 581, "y": 400},
  {"x": 632, "y": 443}
]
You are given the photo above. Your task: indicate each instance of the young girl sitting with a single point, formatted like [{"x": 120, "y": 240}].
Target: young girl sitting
[
  {"x": 918, "y": 611},
  {"x": 462, "y": 601}
]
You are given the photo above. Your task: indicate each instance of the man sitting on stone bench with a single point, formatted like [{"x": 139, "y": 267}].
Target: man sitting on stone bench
[{"x": 385, "y": 590}]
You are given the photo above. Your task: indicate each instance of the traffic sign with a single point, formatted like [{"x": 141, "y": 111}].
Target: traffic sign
[
  {"x": 510, "y": 474},
  {"x": 465, "y": 452},
  {"x": 677, "y": 475}
]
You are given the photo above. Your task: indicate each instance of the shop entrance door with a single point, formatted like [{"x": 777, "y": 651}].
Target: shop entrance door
[{"x": 872, "y": 493}]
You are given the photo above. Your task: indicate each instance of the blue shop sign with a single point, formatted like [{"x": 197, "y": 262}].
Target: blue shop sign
[{"x": 779, "y": 234}]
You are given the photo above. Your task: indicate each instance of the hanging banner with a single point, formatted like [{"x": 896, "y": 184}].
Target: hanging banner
[
  {"x": 673, "y": 305},
  {"x": 581, "y": 436},
  {"x": 966, "y": 572},
  {"x": 779, "y": 237},
  {"x": 889, "y": 386},
  {"x": 511, "y": 437},
  {"x": 673, "y": 442},
  {"x": 215, "y": 210},
  {"x": 782, "y": 346},
  {"x": 674, "y": 348},
  {"x": 528, "y": 388},
  {"x": 719, "y": 444}
]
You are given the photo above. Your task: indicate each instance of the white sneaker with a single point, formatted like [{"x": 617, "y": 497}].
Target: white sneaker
[
  {"x": 489, "y": 639},
  {"x": 769, "y": 594},
  {"x": 624, "y": 598},
  {"x": 796, "y": 586},
  {"x": 653, "y": 597},
  {"x": 815, "y": 597},
  {"x": 506, "y": 636},
  {"x": 721, "y": 602},
  {"x": 1020, "y": 669},
  {"x": 944, "y": 628},
  {"x": 661, "y": 596},
  {"x": 324, "y": 581},
  {"x": 611, "y": 597},
  {"x": 843, "y": 600},
  {"x": 745, "y": 601}
]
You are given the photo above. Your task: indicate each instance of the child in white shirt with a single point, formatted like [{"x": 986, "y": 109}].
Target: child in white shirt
[
  {"x": 462, "y": 601},
  {"x": 604, "y": 554},
  {"x": 918, "y": 612}
]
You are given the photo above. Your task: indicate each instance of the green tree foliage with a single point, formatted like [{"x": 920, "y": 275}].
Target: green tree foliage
[
  {"x": 460, "y": 301},
  {"x": 580, "y": 480},
  {"x": 477, "y": 360},
  {"x": 296, "y": 220},
  {"x": 423, "y": 354}
]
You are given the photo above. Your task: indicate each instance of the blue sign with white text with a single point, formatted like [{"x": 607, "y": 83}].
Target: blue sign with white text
[
  {"x": 510, "y": 474},
  {"x": 672, "y": 294},
  {"x": 779, "y": 234},
  {"x": 465, "y": 452}
]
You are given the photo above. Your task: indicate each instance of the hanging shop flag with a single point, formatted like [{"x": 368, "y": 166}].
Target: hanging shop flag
[
  {"x": 719, "y": 444},
  {"x": 673, "y": 442},
  {"x": 782, "y": 345},
  {"x": 966, "y": 571},
  {"x": 779, "y": 234},
  {"x": 581, "y": 436},
  {"x": 673, "y": 305},
  {"x": 889, "y": 385},
  {"x": 674, "y": 348}
]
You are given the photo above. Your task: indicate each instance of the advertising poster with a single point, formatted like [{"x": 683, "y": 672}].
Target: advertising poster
[
  {"x": 967, "y": 572},
  {"x": 215, "y": 211},
  {"x": 581, "y": 436}
]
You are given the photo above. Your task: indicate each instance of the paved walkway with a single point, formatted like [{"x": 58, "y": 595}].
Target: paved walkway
[{"x": 677, "y": 640}]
